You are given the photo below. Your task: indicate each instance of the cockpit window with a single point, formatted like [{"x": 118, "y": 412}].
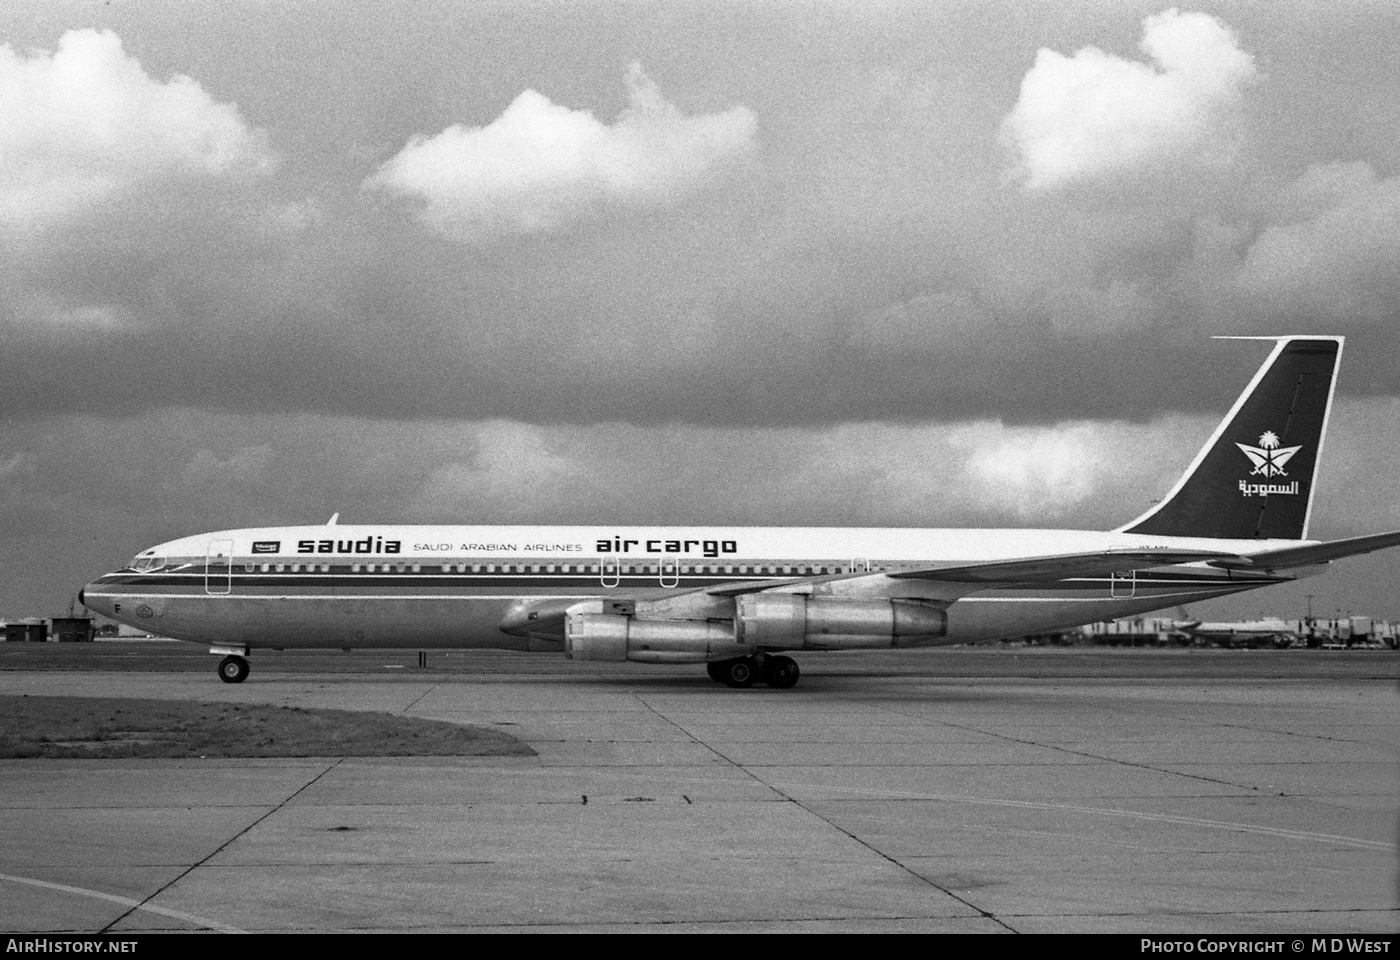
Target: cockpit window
[{"x": 147, "y": 564}]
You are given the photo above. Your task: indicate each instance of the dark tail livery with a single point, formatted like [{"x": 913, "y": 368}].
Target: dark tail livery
[{"x": 1254, "y": 478}]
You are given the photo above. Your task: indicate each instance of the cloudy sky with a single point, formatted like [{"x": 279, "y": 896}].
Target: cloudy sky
[{"x": 899, "y": 264}]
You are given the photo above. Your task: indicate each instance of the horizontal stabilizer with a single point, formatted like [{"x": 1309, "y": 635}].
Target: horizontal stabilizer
[
  {"x": 1061, "y": 566},
  {"x": 1310, "y": 554}
]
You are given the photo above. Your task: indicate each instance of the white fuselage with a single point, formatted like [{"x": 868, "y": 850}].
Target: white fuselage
[{"x": 456, "y": 586}]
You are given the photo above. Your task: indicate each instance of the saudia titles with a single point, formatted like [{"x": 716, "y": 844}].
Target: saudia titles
[{"x": 367, "y": 545}]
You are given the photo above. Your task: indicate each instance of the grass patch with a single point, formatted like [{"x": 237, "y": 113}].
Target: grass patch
[{"x": 112, "y": 727}]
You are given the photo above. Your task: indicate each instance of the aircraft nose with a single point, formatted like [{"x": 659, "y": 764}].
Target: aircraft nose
[{"x": 95, "y": 604}]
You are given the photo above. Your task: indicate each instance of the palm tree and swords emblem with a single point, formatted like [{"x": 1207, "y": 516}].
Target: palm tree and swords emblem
[{"x": 1268, "y": 458}]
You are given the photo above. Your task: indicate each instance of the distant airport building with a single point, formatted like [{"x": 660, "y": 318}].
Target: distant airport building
[
  {"x": 1356, "y": 631},
  {"x": 29, "y": 630},
  {"x": 73, "y": 629},
  {"x": 60, "y": 629}
]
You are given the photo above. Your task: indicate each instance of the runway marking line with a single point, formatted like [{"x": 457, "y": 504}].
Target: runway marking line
[
  {"x": 1130, "y": 814},
  {"x": 124, "y": 901}
]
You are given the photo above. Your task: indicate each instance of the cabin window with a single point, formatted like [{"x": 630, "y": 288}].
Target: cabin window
[
  {"x": 549, "y": 568},
  {"x": 281, "y": 568},
  {"x": 249, "y": 566},
  {"x": 417, "y": 568}
]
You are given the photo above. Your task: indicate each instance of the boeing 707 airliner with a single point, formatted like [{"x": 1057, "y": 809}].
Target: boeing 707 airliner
[{"x": 739, "y": 599}]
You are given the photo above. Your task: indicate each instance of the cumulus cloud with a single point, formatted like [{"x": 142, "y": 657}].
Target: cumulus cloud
[
  {"x": 1333, "y": 247},
  {"x": 514, "y": 468},
  {"x": 1093, "y": 114},
  {"x": 540, "y": 166},
  {"x": 85, "y": 122}
]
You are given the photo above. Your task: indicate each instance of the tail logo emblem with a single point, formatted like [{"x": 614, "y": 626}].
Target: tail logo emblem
[{"x": 1269, "y": 458}]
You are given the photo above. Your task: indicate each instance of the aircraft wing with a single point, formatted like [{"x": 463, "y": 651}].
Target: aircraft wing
[
  {"x": 758, "y": 586},
  {"x": 1060, "y": 566},
  {"x": 1309, "y": 554},
  {"x": 1054, "y": 567}
]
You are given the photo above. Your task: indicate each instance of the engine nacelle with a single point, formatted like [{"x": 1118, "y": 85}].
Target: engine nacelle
[
  {"x": 790, "y": 620},
  {"x": 602, "y": 636}
]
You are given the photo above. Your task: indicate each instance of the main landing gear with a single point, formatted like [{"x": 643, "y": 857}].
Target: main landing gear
[
  {"x": 780, "y": 673},
  {"x": 233, "y": 669}
]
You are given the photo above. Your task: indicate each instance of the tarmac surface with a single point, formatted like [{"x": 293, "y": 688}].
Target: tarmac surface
[{"x": 956, "y": 790}]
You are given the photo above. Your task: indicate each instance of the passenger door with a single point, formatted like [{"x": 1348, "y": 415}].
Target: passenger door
[
  {"x": 611, "y": 571},
  {"x": 218, "y": 567}
]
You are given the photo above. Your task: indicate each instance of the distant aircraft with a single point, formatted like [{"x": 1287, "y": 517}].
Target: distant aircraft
[
  {"x": 739, "y": 598},
  {"x": 1238, "y": 633}
]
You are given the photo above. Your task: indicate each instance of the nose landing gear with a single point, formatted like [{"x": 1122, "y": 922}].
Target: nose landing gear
[{"x": 780, "y": 673}]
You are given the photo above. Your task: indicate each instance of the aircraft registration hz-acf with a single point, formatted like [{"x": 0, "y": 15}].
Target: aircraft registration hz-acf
[{"x": 739, "y": 599}]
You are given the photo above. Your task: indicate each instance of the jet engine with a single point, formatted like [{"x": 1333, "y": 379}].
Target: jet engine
[
  {"x": 788, "y": 620},
  {"x": 605, "y": 636},
  {"x": 762, "y": 622}
]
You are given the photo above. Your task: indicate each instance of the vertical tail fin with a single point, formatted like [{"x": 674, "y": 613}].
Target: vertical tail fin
[{"x": 1255, "y": 476}]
